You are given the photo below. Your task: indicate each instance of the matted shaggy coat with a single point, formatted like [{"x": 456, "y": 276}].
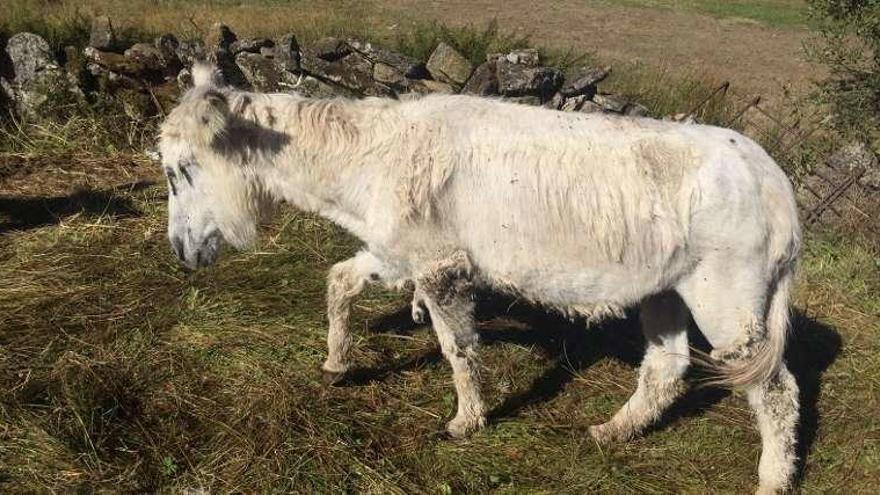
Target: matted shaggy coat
[{"x": 587, "y": 214}]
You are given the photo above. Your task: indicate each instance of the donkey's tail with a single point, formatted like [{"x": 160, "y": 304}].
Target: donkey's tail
[{"x": 759, "y": 359}]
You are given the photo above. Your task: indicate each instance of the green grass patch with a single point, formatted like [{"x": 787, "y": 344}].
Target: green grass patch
[{"x": 780, "y": 13}]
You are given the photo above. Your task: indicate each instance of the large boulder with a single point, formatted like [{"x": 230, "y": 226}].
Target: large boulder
[
  {"x": 449, "y": 66},
  {"x": 30, "y": 55},
  {"x": 522, "y": 80},
  {"x": 38, "y": 84}
]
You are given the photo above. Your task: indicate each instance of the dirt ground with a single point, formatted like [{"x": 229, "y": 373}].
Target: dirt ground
[{"x": 758, "y": 59}]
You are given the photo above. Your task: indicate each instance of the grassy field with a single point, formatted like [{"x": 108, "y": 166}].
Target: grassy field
[{"x": 119, "y": 372}]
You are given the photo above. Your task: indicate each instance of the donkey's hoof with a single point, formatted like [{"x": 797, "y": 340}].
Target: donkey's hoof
[
  {"x": 332, "y": 378},
  {"x": 463, "y": 427},
  {"x": 605, "y": 434}
]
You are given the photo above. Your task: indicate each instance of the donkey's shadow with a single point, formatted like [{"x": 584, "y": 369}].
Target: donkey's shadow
[{"x": 572, "y": 347}]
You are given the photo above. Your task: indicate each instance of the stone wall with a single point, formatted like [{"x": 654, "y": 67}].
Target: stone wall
[{"x": 146, "y": 77}]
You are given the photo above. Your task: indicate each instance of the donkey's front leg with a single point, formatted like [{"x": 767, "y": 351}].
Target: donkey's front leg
[
  {"x": 346, "y": 280},
  {"x": 447, "y": 291}
]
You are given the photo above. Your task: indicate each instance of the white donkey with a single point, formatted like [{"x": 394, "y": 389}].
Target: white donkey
[{"x": 587, "y": 214}]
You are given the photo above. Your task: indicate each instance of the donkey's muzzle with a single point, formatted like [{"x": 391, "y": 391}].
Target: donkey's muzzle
[{"x": 202, "y": 255}]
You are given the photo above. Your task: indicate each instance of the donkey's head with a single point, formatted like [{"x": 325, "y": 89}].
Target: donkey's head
[{"x": 213, "y": 196}]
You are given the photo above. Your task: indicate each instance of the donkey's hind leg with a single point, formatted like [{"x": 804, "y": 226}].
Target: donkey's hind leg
[
  {"x": 740, "y": 311},
  {"x": 664, "y": 320}
]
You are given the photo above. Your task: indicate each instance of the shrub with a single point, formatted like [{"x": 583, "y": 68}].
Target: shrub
[{"x": 848, "y": 43}]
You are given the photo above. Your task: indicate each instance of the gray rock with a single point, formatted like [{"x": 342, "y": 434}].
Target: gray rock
[
  {"x": 353, "y": 72},
  {"x": 168, "y": 47},
  {"x": 585, "y": 82},
  {"x": 38, "y": 85},
  {"x": 525, "y": 100},
  {"x": 314, "y": 88},
  {"x": 429, "y": 86},
  {"x": 191, "y": 52},
  {"x": 146, "y": 54},
  {"x": 611, "y": 103},
  {"x": 522, "y": 80},
  {"x": 556, "y": 102},
  {"x": 100, "y": 62},
  {"x": 389, "y": 67},
  {"x": 590, "y": 107},
  {"x": 522, "y": 56},
  {"x": 637, "y": 110},
  {"x": 29, "y": 54},
  {"x": 574, "y": 103},
  {"x": 857, "y": 158},
  {"x": 447, "y": 65},
  {"x": 250, "y": 45},
  {"x": 330, "y": 49},
  {"x": 102, "y": 35},
  {"x": 75, "y": 67},
  {"x": 268, "y": 51},
  {"x": 287, "y": 53},
  {"x": 167, "y": 44},
  {"x": 261, "y": 73},
  {"x": 483, "y": 81}
]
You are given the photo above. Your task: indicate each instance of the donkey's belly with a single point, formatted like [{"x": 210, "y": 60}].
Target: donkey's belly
[{"x": 572, "y": 285}]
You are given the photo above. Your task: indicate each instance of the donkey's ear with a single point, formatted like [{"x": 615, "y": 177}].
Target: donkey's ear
[
  {"x": 206, "y": 75},
  {"x": 204, "y": 117}
]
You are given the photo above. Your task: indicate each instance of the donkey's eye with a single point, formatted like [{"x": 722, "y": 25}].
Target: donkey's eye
[
  {"x": 171, "y": 181},
  {"x": 185, "y": 173}
]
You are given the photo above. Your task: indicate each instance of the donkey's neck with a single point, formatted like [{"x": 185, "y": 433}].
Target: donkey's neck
[{"x": 329, "y": 166}]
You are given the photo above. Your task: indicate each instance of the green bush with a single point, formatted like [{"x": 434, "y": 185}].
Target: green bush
[{"x": 848, "y": 43}]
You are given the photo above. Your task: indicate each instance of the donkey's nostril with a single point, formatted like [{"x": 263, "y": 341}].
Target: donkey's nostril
[{"x": 177, "y": 244}]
